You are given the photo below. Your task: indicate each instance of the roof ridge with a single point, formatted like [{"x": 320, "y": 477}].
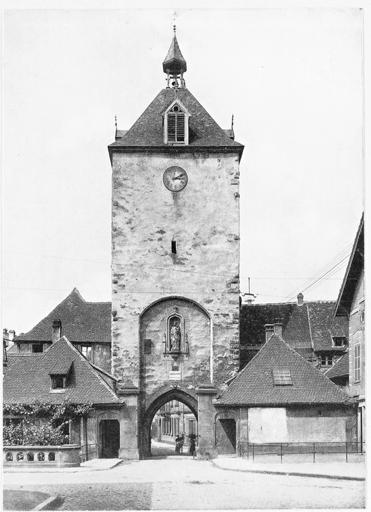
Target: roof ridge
[
  {"x": 75, "y": 292},
  {"x": 103, "y": 371}
]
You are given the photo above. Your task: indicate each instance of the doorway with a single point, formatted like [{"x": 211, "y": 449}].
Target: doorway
[
  {"x": 226, "y": 436},
  {"x": 110, "y": 438}
]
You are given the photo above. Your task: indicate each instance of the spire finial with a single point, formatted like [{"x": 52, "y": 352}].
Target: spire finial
[
  {"x": 116, "y": 122},
  {"x": 174, "y": 64}
]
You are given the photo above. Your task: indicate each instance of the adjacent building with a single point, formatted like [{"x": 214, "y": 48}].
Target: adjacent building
[
  {"x": 61, "y": 374},
  {"x": 87, "y": 325},
  {"x": 309, "y": 327},
  {"x": 351, "y": 305},
  {"x": 279, "y": 397}
]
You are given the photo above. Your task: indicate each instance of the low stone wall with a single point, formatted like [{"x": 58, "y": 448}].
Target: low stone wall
[{"x": 52, "y": 456}]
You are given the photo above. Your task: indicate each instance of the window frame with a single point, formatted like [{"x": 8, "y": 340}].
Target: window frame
[
  {"x": 170, "y": 111},
  {"x": 282, "y": 377},
  {"x": 344, "y": 344},
  {"x": 54, "y": 381}
]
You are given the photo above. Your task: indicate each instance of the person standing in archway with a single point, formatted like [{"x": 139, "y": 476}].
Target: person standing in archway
[{"x": 192, "y": 445}]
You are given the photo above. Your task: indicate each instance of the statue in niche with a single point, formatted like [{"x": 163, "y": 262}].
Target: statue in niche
[{"x": 175, "y": 334}]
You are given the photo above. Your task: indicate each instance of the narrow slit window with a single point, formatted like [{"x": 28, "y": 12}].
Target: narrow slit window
[{"x": 173, "y": 247}]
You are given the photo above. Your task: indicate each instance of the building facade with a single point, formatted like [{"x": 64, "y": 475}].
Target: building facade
[{"x": 351, "y": 305}]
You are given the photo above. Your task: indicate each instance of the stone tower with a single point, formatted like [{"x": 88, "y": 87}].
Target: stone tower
[{"x": 175, "y": 260}]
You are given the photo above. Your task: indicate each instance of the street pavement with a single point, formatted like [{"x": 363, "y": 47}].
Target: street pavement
[{"x": 183, "y": 483}]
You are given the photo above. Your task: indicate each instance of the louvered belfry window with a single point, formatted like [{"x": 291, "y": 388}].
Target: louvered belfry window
[{"x": 176, "y": 125}]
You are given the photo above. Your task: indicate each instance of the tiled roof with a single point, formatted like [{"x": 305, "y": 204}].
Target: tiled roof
[
  {"x": 254, "y": 385},
  {"x": 147, "y": 131},
  {"x": 81, "y": 321},
  {"x": 26, "y": 378},
  {"x": 307, "y": 327},
  {"x": 352, "y": 274},
  {"x": 340, "y": 368},
  {"x": 324, "y": 326}
]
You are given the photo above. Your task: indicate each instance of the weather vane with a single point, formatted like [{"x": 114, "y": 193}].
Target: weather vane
[{"x": 174, "y": 21}]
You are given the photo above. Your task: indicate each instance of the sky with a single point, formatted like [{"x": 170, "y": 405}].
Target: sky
[{"x": 291, "y": 77}]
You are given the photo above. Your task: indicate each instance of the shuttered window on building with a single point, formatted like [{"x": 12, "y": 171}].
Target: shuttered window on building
[
  {"x": 357, "y": 362},
  {"x": 176, "y": 125}
]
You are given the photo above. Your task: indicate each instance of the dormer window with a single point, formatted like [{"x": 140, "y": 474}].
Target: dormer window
[
  {"x": 58, "y": 381},
  {"x": 282, "y": 377},
  {"x": 339, "y": 341},
  {"x": 59, "y": 376},
  {"x": 176, "y": 124}
]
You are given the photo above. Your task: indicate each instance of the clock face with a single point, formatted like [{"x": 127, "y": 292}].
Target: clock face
[{"x": 175, "y": 178}]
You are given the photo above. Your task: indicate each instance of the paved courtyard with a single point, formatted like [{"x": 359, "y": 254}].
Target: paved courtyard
[{"x": 179, "y": 483}]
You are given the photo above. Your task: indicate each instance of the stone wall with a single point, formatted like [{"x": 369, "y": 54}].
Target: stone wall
[
  {"x": 301, "y": 424},
  {"x": 203, "y": 219}
]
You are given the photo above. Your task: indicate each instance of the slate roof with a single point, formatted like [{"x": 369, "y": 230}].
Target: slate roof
[
  {"x": 147, "y": 131},
  {"x": 307, "y": 328},
  {"x": 340, "y": 368},
  {"x": 352, "y": 274},
  {"x": 81, "y": 321},
  {"x": 254, "y": 385},
  {"x": 26, "y": 378}
]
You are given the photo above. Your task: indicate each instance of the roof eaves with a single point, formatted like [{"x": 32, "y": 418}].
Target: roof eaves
[{"x": 339, "y": 311}]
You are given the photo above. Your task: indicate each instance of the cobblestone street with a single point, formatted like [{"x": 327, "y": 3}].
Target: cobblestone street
[{"x": 183, "y": 483}]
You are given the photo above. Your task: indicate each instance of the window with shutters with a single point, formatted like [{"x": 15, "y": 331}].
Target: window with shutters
[
  {"x": 176, "y": 125},
  {"x": 357, "y": 362}
]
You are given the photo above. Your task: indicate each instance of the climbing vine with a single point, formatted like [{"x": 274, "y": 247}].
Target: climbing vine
[{"x": 40, "y": 423}]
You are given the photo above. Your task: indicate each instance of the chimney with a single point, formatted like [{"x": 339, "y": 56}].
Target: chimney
[
  {"x": 300, "y": 299},
  {"x": 277, "y": 327},
  {"x": 56, "y": 330},
  {"x": 268, "y": 331}
]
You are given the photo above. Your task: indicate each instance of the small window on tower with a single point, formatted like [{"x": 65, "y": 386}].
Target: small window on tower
[
  {"x": 148, "y": 346},
  {"x": 176, "y": 125},
  {"x": 173, "y": 247}
]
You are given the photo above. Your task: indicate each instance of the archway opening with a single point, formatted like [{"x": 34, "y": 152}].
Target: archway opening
[
  {"x": 170, "y": 416},
  {"x": 173, "y": 430}
]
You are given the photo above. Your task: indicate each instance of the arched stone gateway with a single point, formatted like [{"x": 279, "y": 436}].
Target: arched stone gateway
[{"x": 157, "y": 402}]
